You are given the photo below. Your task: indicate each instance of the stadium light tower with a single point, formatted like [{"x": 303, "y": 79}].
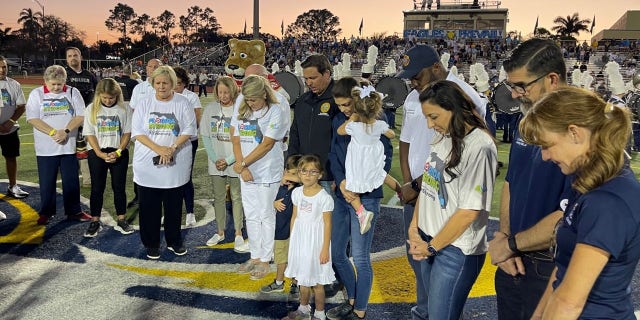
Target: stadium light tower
[{"x": 256, "y": 19}]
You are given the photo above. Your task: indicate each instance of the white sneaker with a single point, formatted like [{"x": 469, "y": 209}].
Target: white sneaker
[
  {"x": 2, "y": 216},
  {"x": 17, "y": 193},
  {"x": 240, "y": 246},
  {"x": 214, "y": 240},
  {"x": 190, "y": 221}
]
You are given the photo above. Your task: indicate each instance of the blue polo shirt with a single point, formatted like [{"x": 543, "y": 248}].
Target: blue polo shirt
[
  {"x": 536, "y": 187},
  {"x": 608, "y": 218}
]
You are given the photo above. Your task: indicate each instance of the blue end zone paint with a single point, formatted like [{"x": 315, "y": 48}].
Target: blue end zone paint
[{"x": 61, "y": 235}]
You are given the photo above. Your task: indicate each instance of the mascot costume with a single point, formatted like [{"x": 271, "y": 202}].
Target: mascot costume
[{"x": 243, "y": 53}]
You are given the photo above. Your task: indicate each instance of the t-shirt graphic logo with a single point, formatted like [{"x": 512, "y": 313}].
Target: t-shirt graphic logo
[
  {"x": 434, "y": 180},
  {"x": 109, "y": 125},
  {"x": 220, "y": 127},
  {"x": 249, "y": 129},
  {"x": 6, "y": 98},
  {"x": 159, "y": 122},
  {"x": 56, "y": 107}
]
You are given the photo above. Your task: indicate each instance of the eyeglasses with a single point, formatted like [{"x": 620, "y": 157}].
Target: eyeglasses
[
  {"x": 522, "y": 88},
  {"x": 308, "y": 172}
]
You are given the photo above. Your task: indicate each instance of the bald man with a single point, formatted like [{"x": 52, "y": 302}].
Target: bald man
[
  {"x": 140, "y": 92},
  {"x": 261, "y": 70},
  {"x": 146, "y": 88}
]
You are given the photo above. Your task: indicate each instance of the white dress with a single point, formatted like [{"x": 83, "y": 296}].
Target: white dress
[
  {"x": 364, "y": 164},
  {"x": 306, "y": 240}
]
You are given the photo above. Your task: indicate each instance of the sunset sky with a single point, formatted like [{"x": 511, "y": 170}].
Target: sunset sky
[{"x": 378, "y": 15}]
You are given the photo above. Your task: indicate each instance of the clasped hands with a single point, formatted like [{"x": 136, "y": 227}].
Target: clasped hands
[
  {"x": 503, "y": 257},
  {"x": 244, "y": 172}
]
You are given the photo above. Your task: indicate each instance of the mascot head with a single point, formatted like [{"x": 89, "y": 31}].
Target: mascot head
[{"x": 243, "y": 53}]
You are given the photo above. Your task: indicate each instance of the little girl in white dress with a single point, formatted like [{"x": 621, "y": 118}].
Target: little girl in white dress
[
  {"x": 364, "y": 164},
  {"x": 309, "y": 259}
]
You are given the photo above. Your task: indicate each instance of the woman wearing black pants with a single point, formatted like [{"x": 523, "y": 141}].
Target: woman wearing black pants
[{"x": 107, "y": 128}]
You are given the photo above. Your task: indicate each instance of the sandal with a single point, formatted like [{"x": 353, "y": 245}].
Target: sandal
[
  {"x": 248, "y": 266},
  {"x": 259, "y": 271}
]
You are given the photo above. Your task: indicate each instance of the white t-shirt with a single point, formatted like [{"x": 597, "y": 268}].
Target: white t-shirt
[
  {"x": 141, "y": 91},
  {"x": 267, "y": 122},
  {"x": 441, "y": 196},
  {"x": 111, "y": 124},
  {"x": 162, "y": 122},
  {"x": 416, "y": 133},
  {"x": 283, "y": 103},
  {"x": 479, "y": 102},
  {"x": 216, "y": 124},
  {"x": 194, "y": 101},
  {"x": 12, "y": 96},
  {"x": 56, "y": 109}
]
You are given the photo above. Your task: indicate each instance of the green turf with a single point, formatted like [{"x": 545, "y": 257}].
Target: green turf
[{"x": 27, "y": 170}]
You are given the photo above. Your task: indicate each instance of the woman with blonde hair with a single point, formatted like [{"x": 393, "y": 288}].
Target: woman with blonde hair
[
  {"x": 258, "y": 128},
  {"x": 162, "y": 125},
  {"x": 55, "y": 111},
  {"x": 107, "y": 128},
  {"x": 215, "y": 129},
  {"x": 597, "y": 244}
]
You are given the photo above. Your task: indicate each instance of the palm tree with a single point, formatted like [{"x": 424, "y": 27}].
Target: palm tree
[
  {"x": 30, "y": 22},
  {"x": 571, "y": 25}
]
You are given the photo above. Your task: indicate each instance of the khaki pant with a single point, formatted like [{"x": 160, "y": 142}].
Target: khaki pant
[{"x": 220, "y": 198}]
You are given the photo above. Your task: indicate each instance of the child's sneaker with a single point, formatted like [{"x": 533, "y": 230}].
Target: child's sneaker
[
  {"x": 94, "y": 228},
  {"x": 273, "y": 287},
  {"x": 294, "y": 292},
  {"x": 364, "y": 219}
]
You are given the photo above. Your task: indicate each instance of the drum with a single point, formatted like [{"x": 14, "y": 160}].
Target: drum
[
  {"x": 395, "y": 90},
  {"x": 503, "y": 101},
  {"x": 291, "y": 83},
  {"x": 633, "y": 103}
]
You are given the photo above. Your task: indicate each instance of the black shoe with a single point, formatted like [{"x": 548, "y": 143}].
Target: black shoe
[
  {"x": 339, "y": 312},
  {"x": 332, "y": 289},
  {"x": 179, "y": 251},
  {"x": 153, "y": 253},
  {"x": 94, "y": 228},
  {"x": 132, "y": 203}
]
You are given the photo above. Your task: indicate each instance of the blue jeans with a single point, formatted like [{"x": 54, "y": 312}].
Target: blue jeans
[
  {"x": 345, "y": 226},
  {"x": 48, "y": 167},
  {"x": 448, "y": 278},
  {"x": 421, "y": 310},
  {"x": 518, "y": 296}
]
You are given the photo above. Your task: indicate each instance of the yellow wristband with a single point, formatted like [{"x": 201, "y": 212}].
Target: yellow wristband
[
  {"x": 118, "y": 153},
  {"x": 52, "y": 132},
  {"x": 12, "y": 121}
]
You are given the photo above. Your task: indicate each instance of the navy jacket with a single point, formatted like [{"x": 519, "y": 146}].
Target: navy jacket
[
  {"x": 283, "y": 218},
  {"x": 311, "y": 127},
  {"x": 338, "y": 154}
]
